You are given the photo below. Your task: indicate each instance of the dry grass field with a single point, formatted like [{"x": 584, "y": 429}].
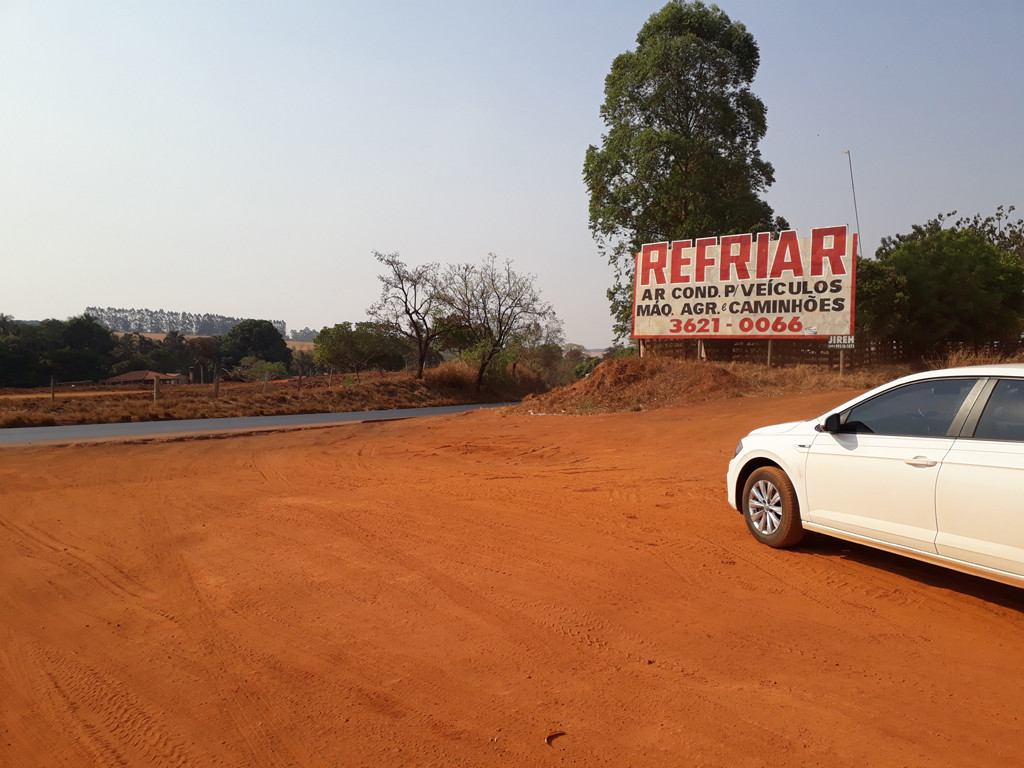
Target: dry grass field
[
  {"x": 450, "y": 385},
  {"x": 630, "y": 384}
]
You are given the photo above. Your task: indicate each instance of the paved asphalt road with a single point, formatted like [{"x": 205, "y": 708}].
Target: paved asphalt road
[{"x": 144, "y": 429}]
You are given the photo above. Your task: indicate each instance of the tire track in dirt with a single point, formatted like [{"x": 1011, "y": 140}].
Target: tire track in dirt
[
  {"x": 29, "y": 720},
  {"x": 564, "y": 637},
  {"x": 584, "y": 631},
  {"x": 226, "y": 663},
  {"x": 262, "y": 462},
  {"x": 108, "y": 721},
  {"x": 338, "y": 673},
  {"x": 379, "y": 545},
  {"x": 561, "y": 636},
  {"x": 32, "y": 541},
  {"x": 359, "y": 683}
]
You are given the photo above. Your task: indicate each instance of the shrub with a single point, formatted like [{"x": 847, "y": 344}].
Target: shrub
[{"x": 455, "y": 374}]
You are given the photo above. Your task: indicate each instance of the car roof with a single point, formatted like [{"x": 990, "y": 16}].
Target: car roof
[{"x": 992, "y": 369}]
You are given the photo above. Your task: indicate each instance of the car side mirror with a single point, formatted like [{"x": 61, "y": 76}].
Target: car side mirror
[{"x": 832, "y": 423}]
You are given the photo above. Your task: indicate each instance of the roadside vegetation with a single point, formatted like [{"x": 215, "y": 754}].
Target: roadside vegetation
[
  {"x": 614, "y": 385},
  {"x": 449, "y": 384}
]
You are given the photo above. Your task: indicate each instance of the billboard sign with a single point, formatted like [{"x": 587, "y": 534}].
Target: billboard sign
[{"x": 747, "y": 286}]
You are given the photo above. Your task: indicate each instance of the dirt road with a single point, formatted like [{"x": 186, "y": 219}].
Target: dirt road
[{"x": 489, "y": 589}]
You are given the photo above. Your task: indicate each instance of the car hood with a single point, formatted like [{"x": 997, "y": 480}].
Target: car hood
[{"x": 782, "y": 429}]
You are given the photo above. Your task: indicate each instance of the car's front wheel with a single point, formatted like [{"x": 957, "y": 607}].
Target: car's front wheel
[{"x": 771, "y": 509}]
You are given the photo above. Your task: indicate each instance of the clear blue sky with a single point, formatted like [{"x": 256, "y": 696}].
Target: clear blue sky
[{"x": 244, "y": 158}]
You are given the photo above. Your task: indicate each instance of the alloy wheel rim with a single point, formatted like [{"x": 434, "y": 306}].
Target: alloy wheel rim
[{"x": 765, "y": 505}]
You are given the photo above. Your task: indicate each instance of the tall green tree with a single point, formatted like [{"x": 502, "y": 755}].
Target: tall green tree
[
  {"x": 172, "y": 354},
  {"x": 303, "y": 363},
  {"x": 133, "y": 352},
  {"x": 356, "y": 348},
  {"x": 680, "y": 159},
  {"x": 18, "y": 362},
  {"x": 882, "y": 300},
  {"x": 82, "y": 352},
  {"x": 254, "y": 338},
  {"x": 204, "y": 354},
  {"x": 76, "y": 349}
]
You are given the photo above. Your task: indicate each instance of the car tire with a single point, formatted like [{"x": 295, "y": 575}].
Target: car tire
[{"x": 771, "y": 509}]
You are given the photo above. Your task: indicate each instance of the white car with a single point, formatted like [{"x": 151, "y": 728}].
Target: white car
[{"x": 930, "y": 466}]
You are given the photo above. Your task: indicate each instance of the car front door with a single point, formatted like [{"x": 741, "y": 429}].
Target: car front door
[
  {"x": 876, "y": 475},
  {"x": 979, "y": 509}
]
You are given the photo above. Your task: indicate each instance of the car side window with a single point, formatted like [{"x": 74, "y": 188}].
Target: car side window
[
  {"x": 1003, "y": 417},
  {"x": 922, "y": 409}
]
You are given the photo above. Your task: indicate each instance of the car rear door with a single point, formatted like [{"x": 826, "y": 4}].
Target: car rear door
[
  {"x": 876, "y": 477},
  {"x": 979, "y": 496}
]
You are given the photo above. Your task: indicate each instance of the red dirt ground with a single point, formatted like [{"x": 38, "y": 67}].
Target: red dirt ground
[{"x": 454, "y": 591}]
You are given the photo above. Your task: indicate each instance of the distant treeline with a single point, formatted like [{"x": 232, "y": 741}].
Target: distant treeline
[
  {"x": 121, "y": 320},
  {"x": 82, "y": 349}
]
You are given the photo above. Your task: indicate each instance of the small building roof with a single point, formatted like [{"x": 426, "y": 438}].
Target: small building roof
[{"x": 143, "y": 376}]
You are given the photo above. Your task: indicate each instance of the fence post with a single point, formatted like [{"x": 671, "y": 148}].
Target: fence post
[
  {"x": 266, "y": 376},
  {"x": 156, "y": 389},
  {"x": 216, "y": 385},
  {"x": 53, "y": 389}
]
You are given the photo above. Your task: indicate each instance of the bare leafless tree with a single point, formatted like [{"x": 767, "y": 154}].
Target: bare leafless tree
[
  {"x": 496, "y": 307},
  {"x": 409, "y": 303}
]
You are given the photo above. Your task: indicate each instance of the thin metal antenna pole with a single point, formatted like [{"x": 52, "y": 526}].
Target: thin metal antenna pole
[{"x": 860, "y": 245}]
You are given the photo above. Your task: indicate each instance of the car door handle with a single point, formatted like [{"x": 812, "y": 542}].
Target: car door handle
[{"x": 921, "y": 461}]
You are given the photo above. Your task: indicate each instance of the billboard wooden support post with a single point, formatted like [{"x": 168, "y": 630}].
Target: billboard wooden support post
[
  {"x": 842, "y": 360},
  {"x": 769, "y": 353}
]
